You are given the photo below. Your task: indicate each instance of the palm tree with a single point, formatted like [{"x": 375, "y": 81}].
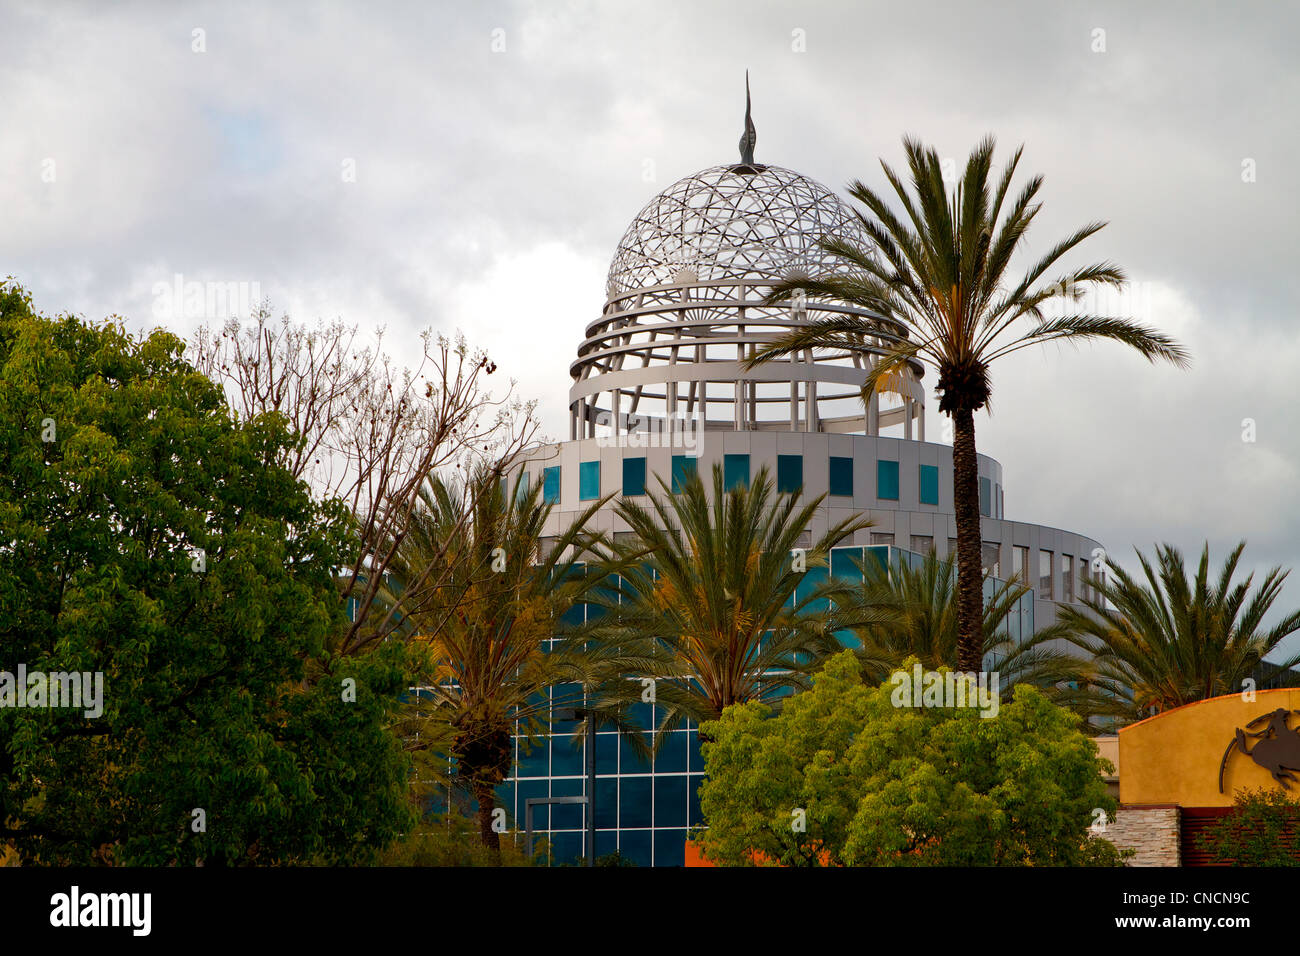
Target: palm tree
[
  {"x": 923, "y": 624},
  {"x": 707, "y": 597},
  {"x": 936, "y": 283},
  {"x": 1173, "y": 639},
  {"x": 487, "y": 617}
]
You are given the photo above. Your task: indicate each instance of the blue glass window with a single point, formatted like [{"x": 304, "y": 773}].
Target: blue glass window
[
  {"x": 696, "y": 755},
  {"x": 589, "y": 480},
  {"x": 841, "y": 475},
  {"x": 566, "y": 760},
  {"x": 634, "y": 845},
  {"x": 633, "y": 476},
  {"x": 670, "y": 801},
  {"x": 929, "y": 484},
  {"x": 735, "y": 471},
  {"x": 528, "y": 789},
  {"x": 532, "y": 763},
  {"x": 635, "y": 798},
  {"x": 606, "y": 802},
  {"x": 606, "y": 753},
  {"x": 684, "y": 468},
  {"x": 985, "y": 495},
  {"x": 844, "y": 564},
  {"x": 671, "y": 757},
  {"x": 789, "y": 473},
  {"x": 887, "y": 480},
  {"x": 629, "y": 762},
  {"x": 551, "y": 485},
  {"x": 567, "y": 816},
  {"x": 670, "y": 848},
  {"x": 567, "y": 847}
]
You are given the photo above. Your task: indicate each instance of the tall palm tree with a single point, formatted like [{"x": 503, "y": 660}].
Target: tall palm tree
[
  {"x": 936, "y": 281},
  {"x": 923, "y": 625},
  {"x": 707, "y": 597},
  {"x": 488, "y": 617},
  {"x": 1175, "y": 638}
]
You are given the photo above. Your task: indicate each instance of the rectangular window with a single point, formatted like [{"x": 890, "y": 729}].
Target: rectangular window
[
  {"x": 633, "y": 476},
  {"x": 990, "y": 558},
  {"x": 1020, "y": 563},
  {"x": 1045, "y": 589},
  {"x": 880, "y": 537},
  {"x": 929, "y": 484},
  {"x": 589, "y": 480},
  {"x": 952, "y": 548},
  {"x": 685, "y": 467},
  {"x": 1083, "y": 579},
  {"x": 922, "y": 543},
  {"x": 735, "y": 471},
  {"x": 985, "y": 491},
  {"x": 887, "y": 480},
  {"x": 551, "y": 485},
  {"x": 1067, "y": 577},
  {"x": 521, "y": 487},
  {"x": 1001, "y": 513},
  {"x": 789, "y": 473},
  {"x": 841, "y": 483}
]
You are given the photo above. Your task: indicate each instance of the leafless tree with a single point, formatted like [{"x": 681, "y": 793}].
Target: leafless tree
[{"x": 370, "y": 432}]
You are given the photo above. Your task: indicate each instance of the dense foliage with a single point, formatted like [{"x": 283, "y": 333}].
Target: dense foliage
[
  {"x": 1262, "y": 830},
  {"x": 844, "y": 777},
  {"x": 149, "y": 537}
]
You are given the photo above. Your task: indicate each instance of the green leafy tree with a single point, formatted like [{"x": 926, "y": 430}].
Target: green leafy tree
[
  {"x": 146, "y": 536},
  {"x": 937, "y": 280},
  {"x": 705, "y": 599},
  {"x": 1171, "y": 637},
  {"x": 842, "y": 776},
  {"x": 1262, "y": 830}
]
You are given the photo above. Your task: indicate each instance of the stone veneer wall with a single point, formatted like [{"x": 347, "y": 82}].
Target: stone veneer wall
[{"x": 1152, "y": 831}]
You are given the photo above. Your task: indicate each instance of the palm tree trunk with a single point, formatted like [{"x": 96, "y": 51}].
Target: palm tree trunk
[
  {"x": 970, "y": 579},
  {"x": 486, "y": 798}
]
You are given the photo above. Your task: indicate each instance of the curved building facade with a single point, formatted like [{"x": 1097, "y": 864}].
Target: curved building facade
[{"x": 659, "y": 389}]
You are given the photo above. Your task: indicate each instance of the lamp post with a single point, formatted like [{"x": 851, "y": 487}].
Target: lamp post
[{"x": 574, "y": 713}]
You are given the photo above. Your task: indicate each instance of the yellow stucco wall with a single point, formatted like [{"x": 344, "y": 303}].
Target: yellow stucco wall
[{"x": 1174, "y": 757}]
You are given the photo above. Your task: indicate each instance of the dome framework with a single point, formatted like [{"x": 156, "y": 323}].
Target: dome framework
[{"x": 685, "y": 309}]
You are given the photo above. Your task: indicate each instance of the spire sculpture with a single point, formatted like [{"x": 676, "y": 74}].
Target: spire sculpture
[{"x": 750, "y": 136}]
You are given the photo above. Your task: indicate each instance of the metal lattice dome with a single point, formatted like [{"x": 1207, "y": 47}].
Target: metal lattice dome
[
  {"x": 732, "y": 222},
  {"x": 686, "y": 309}
]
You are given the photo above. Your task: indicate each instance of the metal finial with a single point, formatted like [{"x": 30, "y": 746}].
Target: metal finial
[{"x": 750, "y": 137}]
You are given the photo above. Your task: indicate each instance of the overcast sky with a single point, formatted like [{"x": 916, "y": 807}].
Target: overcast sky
[{"x": 473, "y": 166}]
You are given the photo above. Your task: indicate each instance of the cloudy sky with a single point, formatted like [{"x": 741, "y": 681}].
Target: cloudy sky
[{"x": 472, "y": 167}]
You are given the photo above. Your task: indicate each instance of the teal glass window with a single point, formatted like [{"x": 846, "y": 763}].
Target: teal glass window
[
  {"x": 551, "y": 485},
  {"x": 521, "y": 488},
  {"x": 841, "y": 475},
  {"x": 887, "y": 480},
  {"x": 986, "y": 493},
  {"x": 735, "y": 471},
  {"x": 789, "y": 473},
  {"x": 929, "y": 481},
  {"x": 684, "y": 468},
  {"x": 589, "y": 480},
  {"x": 633, "y": 476}
]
